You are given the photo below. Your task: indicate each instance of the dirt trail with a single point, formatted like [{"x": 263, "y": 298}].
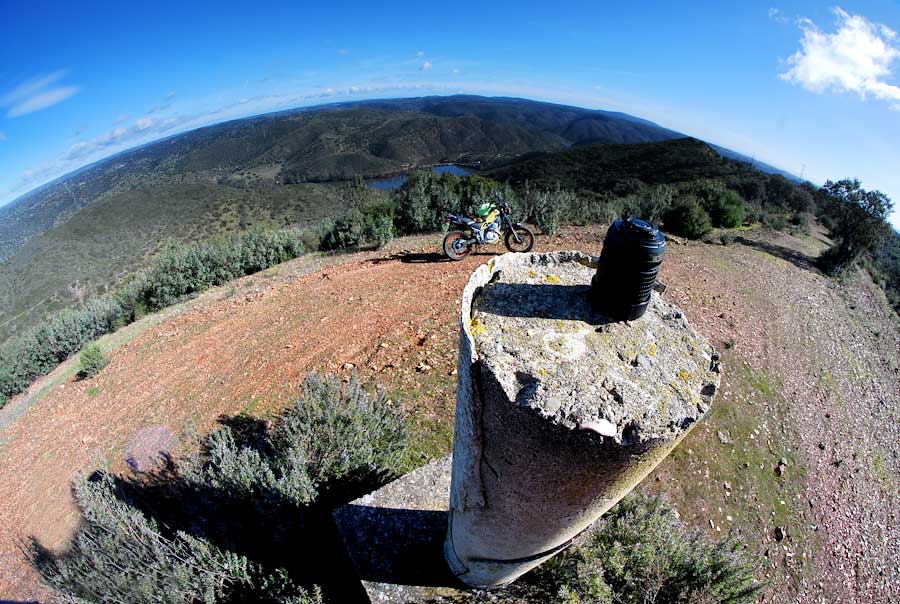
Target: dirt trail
[{"x": 391, "y": 315}]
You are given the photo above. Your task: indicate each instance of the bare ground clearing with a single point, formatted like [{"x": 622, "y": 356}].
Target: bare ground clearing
[{"x": 811, "y": 376}]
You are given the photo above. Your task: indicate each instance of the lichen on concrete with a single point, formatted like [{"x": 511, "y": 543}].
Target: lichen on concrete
[{"x": 534, "y": 328}]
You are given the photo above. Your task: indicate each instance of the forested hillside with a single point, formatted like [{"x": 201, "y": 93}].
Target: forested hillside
[{"x": 71, "y": 239}]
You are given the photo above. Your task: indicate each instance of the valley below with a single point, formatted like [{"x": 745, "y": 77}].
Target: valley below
[{"x": 800, "y": 454}]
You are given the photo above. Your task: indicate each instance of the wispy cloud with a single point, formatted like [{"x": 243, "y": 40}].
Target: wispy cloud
[
  {"x": 2, "y": 136},
  {"x": 857, "y": 58},
  {"x": 456, "y": 71},
  {"x": 777, "y": 15},
  {"x": 425, "y": 66},
  {"x": 420, "y": 54},
  {"x": 39, "y": 92},
  {"x": 343, "y": 51}
]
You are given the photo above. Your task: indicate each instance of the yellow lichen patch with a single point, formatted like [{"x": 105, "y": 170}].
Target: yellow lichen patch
[
  {"x": 476, "y": 327},
  {"x": 683, "y": 375},
  {"x": 491, "y": 264},
  {"x": 532, "y": 273},
  {"x": 652, "y": 350},
  {"x": 552, "y": 279}
]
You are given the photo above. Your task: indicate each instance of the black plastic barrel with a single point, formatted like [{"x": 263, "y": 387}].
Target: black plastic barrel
[{"x": 629, "y": 266}]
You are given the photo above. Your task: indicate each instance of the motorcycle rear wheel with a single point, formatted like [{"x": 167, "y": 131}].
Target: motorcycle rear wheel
[
  {"x": 454, "y": 248},
  {"x": 526, "y": 239}
]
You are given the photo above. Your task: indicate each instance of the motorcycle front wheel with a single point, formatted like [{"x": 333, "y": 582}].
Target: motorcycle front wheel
[
  {"x": 455, "y": 246},
  {"x": 525, "y": 242}
]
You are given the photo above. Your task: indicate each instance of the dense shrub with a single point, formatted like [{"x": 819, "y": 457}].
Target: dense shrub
[
  {"x": 120, "y": 555},
  {"x": 424, "y": 200},
  {"x": 91, "y": 361},
  {"x": 332, "y": 434},
  {"x": 38, "y": 351},
  {"x": 724, "y": 206},
  {"x": 242, "y": 521},
  {"x": 858, "y": 219},
  {"x": 727, "y": 210},
  {"x": 182, "y": 271},
  {"x": 177, "y": 273},
  {"x": 687, "y": 219},
  {"x": 547, "y": 208},
  {"x": 373, "y": 225},
  {"x": 641, "y": 552},
  {"x": 650, "y": 204}
]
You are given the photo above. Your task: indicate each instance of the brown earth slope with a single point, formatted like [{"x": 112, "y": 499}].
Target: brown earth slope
[{"x": 811, "y": 379}]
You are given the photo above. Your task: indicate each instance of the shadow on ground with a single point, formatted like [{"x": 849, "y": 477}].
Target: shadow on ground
[
  {"x": 266, "y": 528},
  {"x": 796, "y": 258},
  {"x": 421, "y": 257}
]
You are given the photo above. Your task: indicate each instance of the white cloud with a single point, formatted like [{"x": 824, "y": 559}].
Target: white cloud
[
  {"x": 40, "y": 92},
  {"x": 171, "y": 95},
  {"x": 343, "y": 51},
  {"x": 121, "y": 118},
  {"x": 858, "y": 57},
  {"x": 420, "y": 54},
  {"x": 425, "y": 66},
  {"x": 456, "y": 71},
  {"x": 776, "y": 14},
  {"x": 144, "y": 123}
]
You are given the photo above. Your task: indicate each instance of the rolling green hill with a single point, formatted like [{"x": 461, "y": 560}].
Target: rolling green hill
[
  {"x": 72, "y": 238},
  {"x": 620, "y": 168}
]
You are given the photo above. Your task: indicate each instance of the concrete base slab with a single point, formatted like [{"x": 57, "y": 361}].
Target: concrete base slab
[{"x": 395, "y": 539}]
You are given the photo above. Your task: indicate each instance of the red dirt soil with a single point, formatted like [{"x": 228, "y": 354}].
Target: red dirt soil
[{"x": 390, "y": 315}]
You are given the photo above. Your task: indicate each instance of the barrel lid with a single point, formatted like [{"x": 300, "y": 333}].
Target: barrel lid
[{"x": 641, "y": 227}]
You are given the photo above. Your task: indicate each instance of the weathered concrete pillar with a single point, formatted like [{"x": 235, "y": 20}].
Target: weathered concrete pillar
[{"x": 559, "y": 414}]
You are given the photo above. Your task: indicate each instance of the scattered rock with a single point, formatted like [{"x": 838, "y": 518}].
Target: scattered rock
[
  {"x": 423, "y": 367},
  {"x": 642, "y": 361},
  {"x": 781, "y": 467},
  {"x": 348, "y": 366},
  {"x": 724, "y": 438},
  {"x": 780, "y": 533},
  {"x": 602, "y": 427}
]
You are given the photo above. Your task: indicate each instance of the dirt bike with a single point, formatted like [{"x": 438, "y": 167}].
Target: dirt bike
[{"x": 496, "y": 225}]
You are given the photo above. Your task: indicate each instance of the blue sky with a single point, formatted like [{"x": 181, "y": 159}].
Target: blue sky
[{"x": 812, "y": 88}]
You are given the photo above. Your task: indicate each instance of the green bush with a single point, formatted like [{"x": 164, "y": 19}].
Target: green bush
[
  {"x": 858, "y": 223},
  {"x": 547, "y": 208},
  {"x": 725, "y": 207},
  {"x": 182, "y": 271},
  {"x": 41, "y": 349},
  {"x": 641, "y": 552},
  {"x": 92, "y": 361},
  {"x": 774, "y": 220},
  {"x": 650, "y": 204},
  {"x": 120, "y": 555},
  {"x": 175, "y": 274},
  {"x": 424, "y": 200},
  {"x": 727, "y": 211},
  {"x": 369, "y": 226},
  {"x": 332, "y": 433},
  {"x": 687, "y": 219},
  {"x": 254, "y": 501}
]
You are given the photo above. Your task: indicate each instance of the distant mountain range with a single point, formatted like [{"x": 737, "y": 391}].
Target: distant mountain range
[{"x": 74, "y": 236}]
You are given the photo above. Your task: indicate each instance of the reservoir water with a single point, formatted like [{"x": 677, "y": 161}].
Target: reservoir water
[{"x": 395, "y": 182}]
